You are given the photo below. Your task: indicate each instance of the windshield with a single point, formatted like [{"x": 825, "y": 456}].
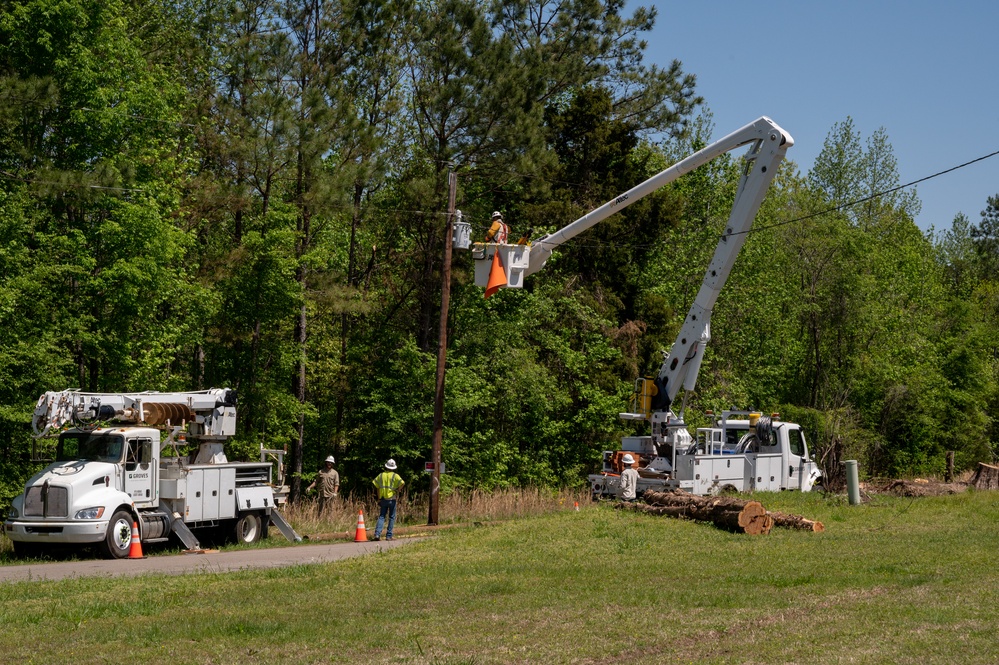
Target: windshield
[{"x": 92, "y": 447}]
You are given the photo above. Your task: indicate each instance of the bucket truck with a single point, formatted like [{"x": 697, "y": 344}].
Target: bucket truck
[
  {"x": 119, "y": 462},
  {"x": 743, "y": 450}
]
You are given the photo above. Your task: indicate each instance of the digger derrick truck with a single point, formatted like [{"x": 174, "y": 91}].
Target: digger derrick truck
[
  {"x": 118, "y": 462},
  {"x": 743, "y": 450}
]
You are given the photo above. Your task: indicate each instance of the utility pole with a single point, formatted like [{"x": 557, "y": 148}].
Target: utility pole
[{"x": 435, "y": 452}]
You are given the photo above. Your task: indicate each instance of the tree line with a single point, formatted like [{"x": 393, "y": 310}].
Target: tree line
[{"x": 251, "y": 194}]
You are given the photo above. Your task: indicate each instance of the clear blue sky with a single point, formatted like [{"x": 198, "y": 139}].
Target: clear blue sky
[{"x": 926, "y": 71}]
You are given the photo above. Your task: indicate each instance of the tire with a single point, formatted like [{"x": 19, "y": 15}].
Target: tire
[
  {"x": 248, "y": 529},
  {"x": 118, "y": 539}
]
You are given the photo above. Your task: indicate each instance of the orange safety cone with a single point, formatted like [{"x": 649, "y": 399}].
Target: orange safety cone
[
  {"x": 135, "y": 551},
  {"x": 497, "y": 275},
  {"x": 361, "y": 535}
]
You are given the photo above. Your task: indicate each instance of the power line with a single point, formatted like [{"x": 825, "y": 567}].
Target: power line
[
  {"x": 803, "y": 218},
  {"x": 7, "y": 176},
  {"x": 850, "y": 204}
]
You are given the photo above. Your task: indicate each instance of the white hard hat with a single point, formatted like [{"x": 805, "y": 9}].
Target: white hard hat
[
  {"x": 331, "y": 460},
  {"x": 627, "y": 459},
  {"x": 390, "y": 465},
  {"x": 497, "y": 214}
]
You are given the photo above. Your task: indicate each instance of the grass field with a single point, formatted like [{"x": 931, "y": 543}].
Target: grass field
[{"x": 892, "y": 581}]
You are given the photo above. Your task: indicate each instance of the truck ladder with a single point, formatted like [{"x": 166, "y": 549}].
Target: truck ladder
[
  {"x": 278, "y": 520},
  {"x": 189, "y": 539}
]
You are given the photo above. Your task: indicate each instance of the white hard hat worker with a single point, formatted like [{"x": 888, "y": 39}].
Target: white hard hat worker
[
  {"x": 627, "y": 459},
  {"x": 330, "y": 460},
  {"x": 391, "y": 465},
  {"x": 498, "y": 231}
]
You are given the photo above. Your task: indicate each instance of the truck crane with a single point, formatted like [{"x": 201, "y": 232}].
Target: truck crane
[
  {"x": 118, "y": 463},
  {"x": 744, "y": 450}
]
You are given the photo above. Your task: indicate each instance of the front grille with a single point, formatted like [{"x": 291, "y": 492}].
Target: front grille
[
  {"x": 43, "y": 529},
  {"x": 51, "y": 503}
]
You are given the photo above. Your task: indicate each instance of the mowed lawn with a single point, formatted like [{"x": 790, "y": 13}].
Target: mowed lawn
[{"x": 896, "y": 580}]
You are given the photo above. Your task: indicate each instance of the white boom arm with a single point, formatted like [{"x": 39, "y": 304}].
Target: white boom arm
[
  {"x": 210, "y": 414},
  {"x": 770, "y": 142},
  {"x": 682, "y": 364}
]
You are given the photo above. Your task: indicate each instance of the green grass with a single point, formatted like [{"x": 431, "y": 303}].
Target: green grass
[{"x": 893, "y": 581}]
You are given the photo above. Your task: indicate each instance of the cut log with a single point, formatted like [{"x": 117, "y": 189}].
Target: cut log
[
  {"x": 986, "y": 477},
  {"x": 733, "y": 514},
  {"x": 796, "y": 522},
  {"x": 741, "y": 515}
]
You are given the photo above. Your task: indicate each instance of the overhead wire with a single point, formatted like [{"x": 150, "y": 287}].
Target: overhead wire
[
  {"x": 871, "y": 197},
  {"x": 8, "y": 176},
  {"x": 802, "y": 218}
]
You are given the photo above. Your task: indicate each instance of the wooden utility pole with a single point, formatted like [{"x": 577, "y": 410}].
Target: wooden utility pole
[{"x": 435, "y": 452}]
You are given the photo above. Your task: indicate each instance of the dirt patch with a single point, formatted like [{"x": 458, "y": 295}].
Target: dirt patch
[{"x": 915, "y": 487}]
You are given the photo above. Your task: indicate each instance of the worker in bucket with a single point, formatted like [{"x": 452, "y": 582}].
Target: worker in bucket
[
  {"x": 629, "y": 479},
  {"x": 388, "y": 483},
  {"x": 328, "y": 481},
  {"x": 499, "y": 231}
]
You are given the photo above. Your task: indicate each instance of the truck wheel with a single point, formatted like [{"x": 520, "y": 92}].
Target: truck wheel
[
  {"x": 247, "y": 528},
  {"x": 118, "y": 539}
]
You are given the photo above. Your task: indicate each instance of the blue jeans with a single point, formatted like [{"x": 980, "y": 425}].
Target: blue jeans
[{"x": 385, "y": 507}]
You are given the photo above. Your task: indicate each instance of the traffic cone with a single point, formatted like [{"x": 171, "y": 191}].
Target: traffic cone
[
  {"x": 361, "y": 535},
  {"x": 497, "y": 276},
  {"x": 135, "y": 551}
]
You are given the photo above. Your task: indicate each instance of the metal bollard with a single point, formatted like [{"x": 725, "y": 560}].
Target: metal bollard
[{"x": 852, "y": 482}]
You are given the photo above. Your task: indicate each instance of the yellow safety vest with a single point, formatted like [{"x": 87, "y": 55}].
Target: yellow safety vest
[{"x": 388, "y": 483}]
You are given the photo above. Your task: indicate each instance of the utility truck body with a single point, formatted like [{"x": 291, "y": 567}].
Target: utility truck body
[
  {"x": 737, "y": 454},
  {"x": 119, "y": 462}
]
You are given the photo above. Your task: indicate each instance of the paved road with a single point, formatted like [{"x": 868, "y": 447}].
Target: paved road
[{"x": 215, "y": 562}]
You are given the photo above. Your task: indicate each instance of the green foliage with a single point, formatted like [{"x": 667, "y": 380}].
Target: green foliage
[{"x": 250, "y": 194}]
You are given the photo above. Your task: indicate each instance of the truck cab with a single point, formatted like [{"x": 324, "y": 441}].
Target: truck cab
[{"x": 98, "y": 475}]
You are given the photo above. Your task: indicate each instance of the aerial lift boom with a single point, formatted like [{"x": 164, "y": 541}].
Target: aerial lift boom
[{"x": 768, "y": 144}]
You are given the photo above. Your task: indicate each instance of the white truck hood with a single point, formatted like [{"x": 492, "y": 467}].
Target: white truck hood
[{"x": 76, "y": 474}]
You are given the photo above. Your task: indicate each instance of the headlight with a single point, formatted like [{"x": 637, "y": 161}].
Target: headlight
[
  {"x": 90, "y": 513},
  {"x": 12, "y": 513}
]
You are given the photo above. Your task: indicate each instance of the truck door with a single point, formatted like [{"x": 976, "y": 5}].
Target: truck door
[
  {"x": 799, "y": 466},
  {"x": 140, "y": 472}
]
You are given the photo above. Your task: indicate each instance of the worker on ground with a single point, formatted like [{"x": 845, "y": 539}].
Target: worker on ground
[
  {"x": 629, "y": 479},
  {"x": 329, "y": 485},
  {"x": 388, "y": 483},
  {"x": 499, "y": 231}
]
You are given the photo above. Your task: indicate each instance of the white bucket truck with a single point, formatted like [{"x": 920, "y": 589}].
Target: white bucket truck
[
  {"x": 118, "y": 462},
  {"x": 670, "y": 457}
]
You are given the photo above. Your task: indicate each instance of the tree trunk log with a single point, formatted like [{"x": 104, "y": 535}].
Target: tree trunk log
[
  {"x": 733, "y": 514},
  {"x": 986, "y": 477},
  {"x": 741, "y": 515},
  {"x": 796, "y": 522}
]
